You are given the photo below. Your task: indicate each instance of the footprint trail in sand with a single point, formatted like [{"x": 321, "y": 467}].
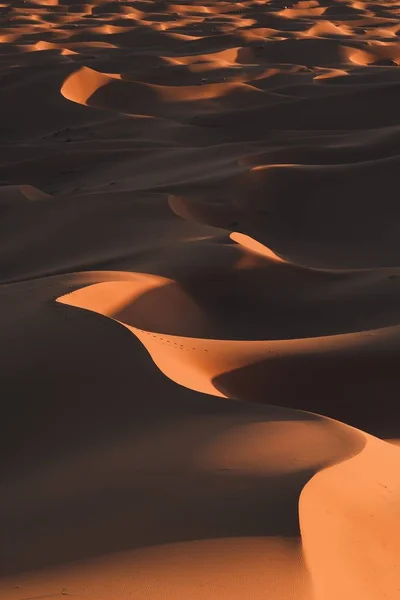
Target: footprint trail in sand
[{"x": 219, "y": 180}]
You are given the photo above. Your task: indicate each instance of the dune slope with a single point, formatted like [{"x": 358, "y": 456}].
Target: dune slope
[{"x": 199, "y": 299}]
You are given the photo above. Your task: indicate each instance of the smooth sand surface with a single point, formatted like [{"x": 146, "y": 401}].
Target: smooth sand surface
[{"x": 199, "y": 300}]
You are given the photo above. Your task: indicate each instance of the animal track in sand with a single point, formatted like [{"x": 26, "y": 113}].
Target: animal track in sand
[{"x": 217, "y": 180}]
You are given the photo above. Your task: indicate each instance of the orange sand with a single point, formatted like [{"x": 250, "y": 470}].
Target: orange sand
[{"x": 199, "y": 301}]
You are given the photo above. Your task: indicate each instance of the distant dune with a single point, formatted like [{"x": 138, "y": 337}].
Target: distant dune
[{"x": 200, "y": 300}]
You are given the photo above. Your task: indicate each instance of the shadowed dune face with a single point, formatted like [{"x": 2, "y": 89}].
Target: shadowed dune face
[
  {"x": 317, "y": 340},
  {"x": 199, "y": 241},
  {"x": 223, "y": 465},
  {"x": 338, "y": 383},
  {"x": 134, "y": 464}
]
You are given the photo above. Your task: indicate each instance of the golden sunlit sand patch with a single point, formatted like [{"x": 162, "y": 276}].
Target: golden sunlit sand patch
[{"x": 200, "y": 242}]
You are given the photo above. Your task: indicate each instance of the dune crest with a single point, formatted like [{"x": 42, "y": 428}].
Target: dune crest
[
  {"x": 358, "y": 520},
  {"x": 199, "y": 294}
]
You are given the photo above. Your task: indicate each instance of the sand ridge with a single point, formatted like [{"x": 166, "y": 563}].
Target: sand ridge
[{"x": 199, "y": 243}]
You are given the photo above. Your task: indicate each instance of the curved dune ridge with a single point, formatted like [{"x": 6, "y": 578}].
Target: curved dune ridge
[{"x": 200, "y": 291}]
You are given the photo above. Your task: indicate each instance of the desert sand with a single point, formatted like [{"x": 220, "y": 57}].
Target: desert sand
[{"x": 200, "y": 300}]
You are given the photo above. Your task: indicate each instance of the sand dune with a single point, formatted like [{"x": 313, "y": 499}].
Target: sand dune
[{"x": 199, "y": 300}]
